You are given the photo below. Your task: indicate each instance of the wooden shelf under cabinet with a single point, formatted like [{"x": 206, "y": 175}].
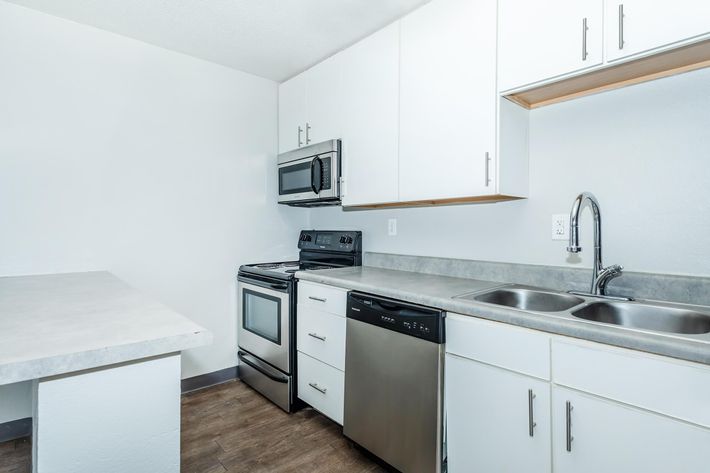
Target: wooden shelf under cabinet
[
  {"x": 430, "y": 202},
  {"x": 665, "y": 64}
]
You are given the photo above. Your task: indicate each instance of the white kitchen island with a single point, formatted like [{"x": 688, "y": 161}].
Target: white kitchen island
[{"x": 104, "y": 360}]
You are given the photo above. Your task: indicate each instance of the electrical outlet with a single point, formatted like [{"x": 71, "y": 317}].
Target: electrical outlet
[
  {"x": 392, "y": 227},
  {"x": 560, "y": 227}
]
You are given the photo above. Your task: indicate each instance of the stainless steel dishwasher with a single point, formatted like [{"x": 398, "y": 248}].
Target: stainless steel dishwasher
[{"x": 394, "y": 379}]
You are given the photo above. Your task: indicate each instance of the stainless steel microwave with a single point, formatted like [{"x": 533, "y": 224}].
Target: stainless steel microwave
[{"x": 310, "y": 176}]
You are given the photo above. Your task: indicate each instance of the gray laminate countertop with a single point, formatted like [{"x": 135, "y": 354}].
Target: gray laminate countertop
[
  {"x": 440, "y": 291},
  {"x": 60, "y": 323}
]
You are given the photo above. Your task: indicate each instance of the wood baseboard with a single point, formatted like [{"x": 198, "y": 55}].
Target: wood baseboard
[{"x": 665, "y": 64}]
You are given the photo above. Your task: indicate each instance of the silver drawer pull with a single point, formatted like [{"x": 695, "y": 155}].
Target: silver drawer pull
[
  {"x": 531, "y": 416},
  {"x": 568, "y": 426},
  {"x": 317, "y": 388},
  {"x": 621, "y": 26},
  {"x": 317, "y": 299},
  {"x": 316, "y": 336}
]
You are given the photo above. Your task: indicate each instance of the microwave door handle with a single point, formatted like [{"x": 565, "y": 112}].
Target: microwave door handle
[{"x": 319, "y": 187}]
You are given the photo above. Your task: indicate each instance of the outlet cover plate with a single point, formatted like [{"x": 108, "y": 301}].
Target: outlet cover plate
[{"x": 560, "y": 227}]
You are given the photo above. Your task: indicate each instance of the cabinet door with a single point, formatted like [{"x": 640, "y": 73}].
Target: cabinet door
[
  {"x": 607, "y": 436},
  {"x": 635, "y": 26},
  {"x": 292, "y": 113},
  {"x": 324, "y": 96},
  {"x": 448, "y": 100},
  {"x": 544, "y": 39},
  {"x": 370, "y": 111},
  {"x": 488, "y": 419}
]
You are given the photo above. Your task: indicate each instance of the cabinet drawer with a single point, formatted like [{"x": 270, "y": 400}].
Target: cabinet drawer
[
  {"x": 514, "y": 348},
  {"x": 321, "y": 335},
  {"x": 672, "y": 387},
  {"x": 326, "y": 298},
  {"x": 321, "y": 386}
]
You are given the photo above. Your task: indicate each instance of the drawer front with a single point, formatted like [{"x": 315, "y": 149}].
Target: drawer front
[
  {"x": 321, "y": 386},
  {"x": 326, "y": 298},
  {"x": 321, "y": 335},
  {"x": 672, "y": 387},
  {"x": 513, "y": 348}
]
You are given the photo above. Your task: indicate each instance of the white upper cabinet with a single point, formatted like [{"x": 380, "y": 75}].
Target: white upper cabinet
[
  {"x": 370, "y": 111},
  {"x": 637, "y": 26},
  {"x": 448, "y": 101},
  {"x": 292, "y": 113},
  {"x": 324, "y": 99},
  {"x": 543, "y": 39},
  {"x": 309, "y": 106}
]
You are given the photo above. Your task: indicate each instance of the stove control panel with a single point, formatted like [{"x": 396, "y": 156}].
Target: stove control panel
[{"x": 342, "y": 241}]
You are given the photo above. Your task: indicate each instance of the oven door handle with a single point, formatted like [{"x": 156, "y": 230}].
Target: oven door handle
[
  {"x": 319, "y": 188},
  {"x": 243, "y": 357},
  {"x": 279, "y": 287}
]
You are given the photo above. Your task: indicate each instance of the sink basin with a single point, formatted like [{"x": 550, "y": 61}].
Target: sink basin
[
  {"x": 528, "y": 299},
  {"x": 646, "y": 317}
]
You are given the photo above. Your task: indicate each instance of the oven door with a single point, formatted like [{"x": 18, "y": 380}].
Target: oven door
[
  {"x": 264, "y": 325},
  {"x": 309, "y": 179}
]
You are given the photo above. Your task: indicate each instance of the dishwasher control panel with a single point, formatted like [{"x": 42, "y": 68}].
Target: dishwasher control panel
[{"x": 410, "y": 319}]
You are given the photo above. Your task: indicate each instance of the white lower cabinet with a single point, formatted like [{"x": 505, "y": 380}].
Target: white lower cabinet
[
  {"x": 606, "y": 436},
  {"x": 498, "y": 421},
  {"x": 321, "y": 386},
  {"x": 604, "y": 409}
]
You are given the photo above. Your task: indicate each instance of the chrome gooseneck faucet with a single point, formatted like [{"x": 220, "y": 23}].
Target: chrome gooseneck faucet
[{"x": 600, "y": 275}]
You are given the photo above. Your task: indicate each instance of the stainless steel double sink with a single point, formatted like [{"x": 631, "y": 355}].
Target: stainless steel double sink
[{"x": 640, "y": 315}]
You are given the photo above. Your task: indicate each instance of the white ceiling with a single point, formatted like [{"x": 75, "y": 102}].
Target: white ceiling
[{"x": 271, "y": 38}]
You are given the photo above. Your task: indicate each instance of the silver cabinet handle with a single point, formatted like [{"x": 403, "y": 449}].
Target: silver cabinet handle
[
  {"x": 316, "y": 336},
  {"x": 488, "y": 166},
  {"x": 317, "y": 388},
  {"x": 585, "y": 28},
  {"x": 531, "y": 415},
  {"x": 569, "y": 437},
  {"x": 308, "y": 133},
  {"x": 621, "y": 26},
  {"x": 300, "y": 131},
  {"x": 317, "y": 299}
]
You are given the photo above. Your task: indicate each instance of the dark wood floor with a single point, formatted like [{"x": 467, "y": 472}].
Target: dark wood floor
[{"x": 231, "y": 428}]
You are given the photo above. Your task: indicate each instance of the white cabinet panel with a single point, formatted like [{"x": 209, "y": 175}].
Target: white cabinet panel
[
  {"x": 635, "y": 26},
  {"x": 321, "y": 386},
  {"x": 613, "y": 437},
  {"x": 324, "y": 101},
  {"x": 448, "y": 100},
  {"x": 672, "y": 387},
  {"x": 321, "y": 335},
  {"x": 543, "y": 39},
  {"x": 370, "y": 111},
  {"x": 489, "y": 415},
  {"x": 292, "y": 113},
  {"x": 484, "y": 340},
  {"x": 322, "y": 297}
]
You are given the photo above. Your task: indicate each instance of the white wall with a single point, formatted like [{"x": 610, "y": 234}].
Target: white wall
[
  {"x": 644, "y": 151},
  {"x": 123, "y": 156}
]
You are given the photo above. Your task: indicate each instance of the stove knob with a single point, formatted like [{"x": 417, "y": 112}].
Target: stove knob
[
  {"x": 348, "y": 240},
  {"x": 305, "y": 237},
  {"x": 343, "y": 239}
]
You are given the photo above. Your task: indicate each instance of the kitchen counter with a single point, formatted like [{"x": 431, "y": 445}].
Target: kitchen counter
[
  {"x": 62, "y": 323},
  {"x": 439, "y": 292}
]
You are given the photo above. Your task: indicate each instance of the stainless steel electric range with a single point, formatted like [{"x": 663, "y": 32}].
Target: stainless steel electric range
[{"x": 266, "y": 322}]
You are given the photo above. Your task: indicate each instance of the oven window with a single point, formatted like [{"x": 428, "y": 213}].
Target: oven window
[
  {"x": 262, "y": 315},
  {"x": 295, "y": 178}
]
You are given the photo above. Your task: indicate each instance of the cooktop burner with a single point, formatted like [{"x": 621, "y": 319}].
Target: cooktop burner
[{"x": 318, "y": 250}]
